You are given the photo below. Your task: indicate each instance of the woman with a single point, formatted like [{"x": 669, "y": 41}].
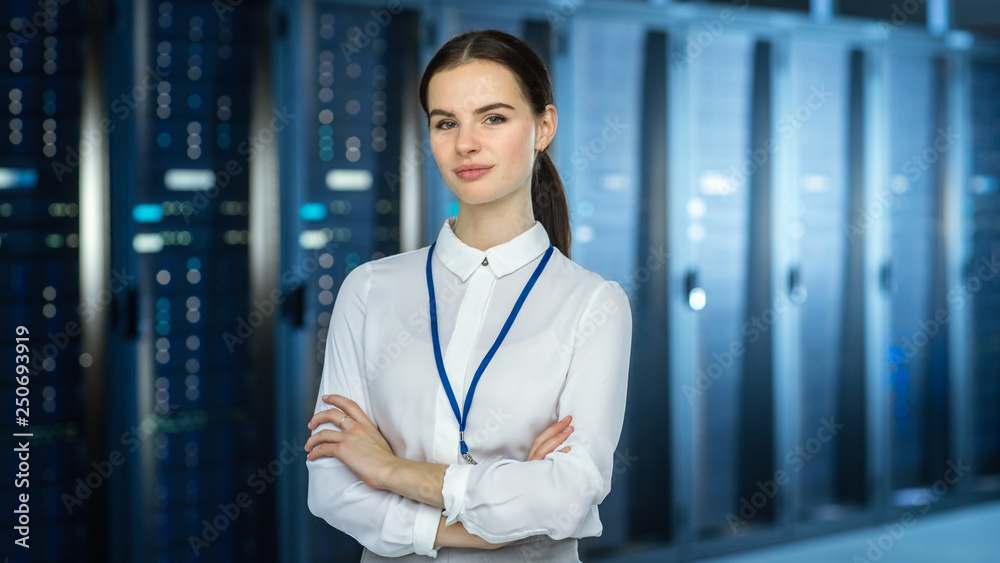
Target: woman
[{"x": 405, "y": 461}]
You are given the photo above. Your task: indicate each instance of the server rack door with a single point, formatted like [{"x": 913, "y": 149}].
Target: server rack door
[
  {"x": 916, "y": 357},
  {"x": 717, "y": 215},
  {"x": 820, "y": 99},
  {"x": 601, "y": 176},
  {"x": 40, "y": 305},
  {"x": 599, "y": 164},
  {"x": 345, "y": 73},
  {"x": 981, "y": 287},
  {"x": 180, "y": 192}
]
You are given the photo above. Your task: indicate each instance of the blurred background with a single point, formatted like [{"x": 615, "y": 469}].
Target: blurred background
[{"x": 798, "y": 196}]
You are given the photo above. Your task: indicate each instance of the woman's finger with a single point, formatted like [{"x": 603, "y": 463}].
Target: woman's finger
[
  {"x": 540, "y": 450},
  {"x": 333, "y": 416},
  {"x": 348, "y": 406},
  {"x": 552, "y": 431},
  {"x": 551, "y": 444},
  {"x": 320, "y": 451},
  {"x": 323, "y": 437}
]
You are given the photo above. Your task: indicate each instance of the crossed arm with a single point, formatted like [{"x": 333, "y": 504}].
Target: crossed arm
[{"x": 360, "y": 446}]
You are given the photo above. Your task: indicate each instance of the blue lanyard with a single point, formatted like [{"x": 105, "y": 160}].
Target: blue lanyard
[{"x": 461, "y": 416}]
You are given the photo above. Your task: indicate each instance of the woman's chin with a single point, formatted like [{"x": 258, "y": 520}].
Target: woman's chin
[
  {"x": 468, "y": 197},
  {"x": 482, "y": 196}
]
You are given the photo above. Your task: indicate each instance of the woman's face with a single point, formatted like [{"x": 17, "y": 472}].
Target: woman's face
[{"x": 478, "y": 117}]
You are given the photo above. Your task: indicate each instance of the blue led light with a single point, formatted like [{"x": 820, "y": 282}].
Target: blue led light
[
  {"x": 163, "y": 304},
  {"x": 11, "y": 178},
  {"x": 312, "y": 211},
  {"x": 902, "y": 376},
  {"x": 163, "y": 139},
  {"x": 194, "y": 264},
  {"x": 194, "y": 101},
  {"x": 147, "y": 213},
  {"x": 49, "y": 107}
]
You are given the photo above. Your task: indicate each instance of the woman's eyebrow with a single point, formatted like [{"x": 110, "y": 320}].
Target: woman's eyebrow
[{"x": 481, "y": 110}]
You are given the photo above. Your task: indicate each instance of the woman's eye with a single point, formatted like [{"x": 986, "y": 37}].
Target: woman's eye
[{"x": 491, "y": 120}]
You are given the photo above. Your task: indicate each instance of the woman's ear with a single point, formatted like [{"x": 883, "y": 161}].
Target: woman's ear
[{"x": 546, "y": 128}]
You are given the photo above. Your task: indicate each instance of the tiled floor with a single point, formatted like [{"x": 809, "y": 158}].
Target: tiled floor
[{"x": 967, "y": 535}]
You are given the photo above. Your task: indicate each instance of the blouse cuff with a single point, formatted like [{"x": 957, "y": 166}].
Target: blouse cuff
[
  {"x": 456, "y": 477},
  {"x": 425, "y": 527}
]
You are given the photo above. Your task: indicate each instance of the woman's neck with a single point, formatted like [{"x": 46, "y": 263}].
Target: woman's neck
[{"x": 487, "y": 225}]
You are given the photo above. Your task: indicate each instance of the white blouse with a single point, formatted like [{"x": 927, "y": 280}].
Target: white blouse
[{"x": 566, "y": 353}]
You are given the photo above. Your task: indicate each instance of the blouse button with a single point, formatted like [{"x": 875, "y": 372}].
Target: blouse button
[{"x": 486, "y": 262}]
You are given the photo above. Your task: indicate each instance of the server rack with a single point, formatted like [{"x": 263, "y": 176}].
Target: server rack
[
  {"x": 815, "y": 125},
  {"x": 179, "y": 80},
  {"x": 599, "y": 161},
  {"x": 717, "y": 215},
  {"x": 345, "y": 172},
  {"x": 979, "y": 290},
  {"x": 42, "y": 81},
  {"x": 917, "y": 357}
]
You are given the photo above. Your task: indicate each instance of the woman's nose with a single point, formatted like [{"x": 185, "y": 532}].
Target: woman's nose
[{"x": 467, "y": 141}]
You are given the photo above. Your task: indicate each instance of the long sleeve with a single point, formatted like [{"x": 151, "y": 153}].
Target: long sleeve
[
  {"x": 384, "y": 522},
  {"x": 511, "y": 499}
]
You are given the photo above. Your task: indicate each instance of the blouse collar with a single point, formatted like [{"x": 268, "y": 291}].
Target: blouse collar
[{"x": 502, "y": 259}]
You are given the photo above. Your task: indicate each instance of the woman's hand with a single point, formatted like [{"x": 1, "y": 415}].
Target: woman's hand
[
  {"x": 358, "y": 444},
  {"x": 551, "y": 438},
  {"x": 544, "y": 444},
  {"x": 457, "y": 536}
]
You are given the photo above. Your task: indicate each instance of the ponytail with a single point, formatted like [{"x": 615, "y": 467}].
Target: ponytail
[{"x": 548, "y": 200}]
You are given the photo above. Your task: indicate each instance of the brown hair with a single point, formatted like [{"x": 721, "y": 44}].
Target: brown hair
[{"x": 548, "y": 197}]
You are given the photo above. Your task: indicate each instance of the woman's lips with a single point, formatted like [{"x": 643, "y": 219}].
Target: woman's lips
[{"x": 475, "y": 174}]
